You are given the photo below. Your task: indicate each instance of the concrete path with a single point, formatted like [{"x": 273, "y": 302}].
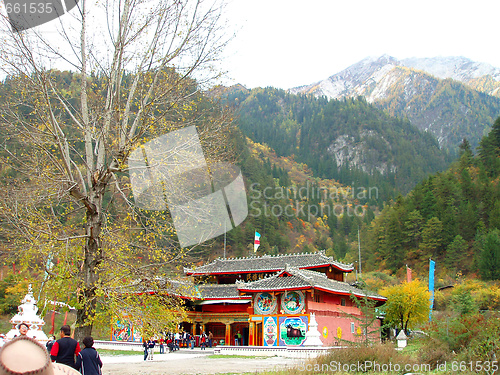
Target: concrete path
[{"x": 187, "y": 361}]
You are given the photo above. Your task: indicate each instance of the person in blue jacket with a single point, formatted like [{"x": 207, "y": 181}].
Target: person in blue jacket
[{"x": 88, "y": 361}]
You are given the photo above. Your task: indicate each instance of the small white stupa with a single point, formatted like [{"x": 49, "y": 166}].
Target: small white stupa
[
  {"x": 28, "y": 314},
  {"x": 312, "y": 334}
]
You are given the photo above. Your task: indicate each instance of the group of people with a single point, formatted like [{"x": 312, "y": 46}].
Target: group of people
[
  {"x": 65, "y": 353},
  {"x": 174, "y": 341}
]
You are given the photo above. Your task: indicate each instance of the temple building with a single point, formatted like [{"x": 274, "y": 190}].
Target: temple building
[{"x": 268, "y": 300}]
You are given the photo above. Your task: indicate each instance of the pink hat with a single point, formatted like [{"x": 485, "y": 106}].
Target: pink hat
[{"x": 25, "y": 356}]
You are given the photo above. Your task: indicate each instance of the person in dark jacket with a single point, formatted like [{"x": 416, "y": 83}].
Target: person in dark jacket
[
  {"x": 88, "y": 361},
  {"x": 50, "y": 343},
  {"x": 65, "y": 349}
]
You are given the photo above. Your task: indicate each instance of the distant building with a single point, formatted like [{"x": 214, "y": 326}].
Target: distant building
[{"x": 269, "y": 299}]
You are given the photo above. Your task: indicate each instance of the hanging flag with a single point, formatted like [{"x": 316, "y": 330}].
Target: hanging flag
[
  {"x": 432, "y": 266},
  {"x": 52, "y": 322},
  {"x": 53, "y": 319},
  {"x": 408, "y": 274},
  {"x": 256, "y": 243}
]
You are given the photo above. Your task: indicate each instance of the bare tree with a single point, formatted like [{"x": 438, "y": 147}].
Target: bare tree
[{"x": 67, "y": 138}]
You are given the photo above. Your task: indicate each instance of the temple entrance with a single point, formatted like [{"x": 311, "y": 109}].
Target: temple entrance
[
  {"x": 245, "y": 332},
  {"x": 258, "y": 334},
  {"x": 218, "y": 331},
  {"x": 239, "y": 328}
]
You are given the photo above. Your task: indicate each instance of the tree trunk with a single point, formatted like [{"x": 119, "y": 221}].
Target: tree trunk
[{"x": 93, "y": 256}]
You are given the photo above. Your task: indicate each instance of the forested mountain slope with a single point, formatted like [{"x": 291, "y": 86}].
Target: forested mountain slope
[
  {"x": 452, "y": 98},
  {"x": 347, "y": 140},
  {"x": 452, "y": 217}
]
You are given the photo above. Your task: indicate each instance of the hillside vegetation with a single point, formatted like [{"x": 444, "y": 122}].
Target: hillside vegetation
[
  {"x": 452, "y": 217},
  {"x": 347, "y": 140}
]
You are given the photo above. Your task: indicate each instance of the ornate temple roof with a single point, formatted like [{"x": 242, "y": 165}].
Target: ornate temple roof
[
  {"x": 300, "y": 279},
  {"x": 216, "y": 292},
  {"x": 267, "y": 263}
]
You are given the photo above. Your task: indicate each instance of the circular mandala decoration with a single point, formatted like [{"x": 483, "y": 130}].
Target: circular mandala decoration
[
  {"x": 265, "y": 303},
  {"x": 325, "y": 332},
  {"x": 293, "y": 302}
]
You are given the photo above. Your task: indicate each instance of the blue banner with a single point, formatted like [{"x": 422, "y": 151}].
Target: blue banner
[{"x": 432, "y": 267}]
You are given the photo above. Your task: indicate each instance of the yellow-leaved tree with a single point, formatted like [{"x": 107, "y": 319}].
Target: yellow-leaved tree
[
  {"x": 407, "y": 304},
  {"x": 67, "y": 210}
]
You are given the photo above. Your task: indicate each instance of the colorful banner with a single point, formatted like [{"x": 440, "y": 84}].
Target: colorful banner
[
  {"x": 432, "y": 266},
  {"x": 123, "y": 330},
  {"x": 256, "y": 243},
  {"x": 270, "y": 331}
]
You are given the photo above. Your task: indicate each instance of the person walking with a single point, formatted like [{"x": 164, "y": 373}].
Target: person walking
[
  {"x": 151, "y": 348},
  {"x": 88, "y": 361},
  {"x": 161, "y": 342},
  {"x": 237, "y": 338},
  {"x": 203, "y": 344},
  {"x": 192, "y": 339},
  {"x": 146, "y": 348},
  {"x": 210, "y": 338},
  {"x": 50, "y": 343},
  {"x": 177, "y": 340},
  {"x": 66, "y": 348}
]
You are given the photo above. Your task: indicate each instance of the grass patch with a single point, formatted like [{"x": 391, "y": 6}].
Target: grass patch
[{"x": 110, "y": 352}]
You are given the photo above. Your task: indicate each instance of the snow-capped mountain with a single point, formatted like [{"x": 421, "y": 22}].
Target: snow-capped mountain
[
  {"x": 458, "y": 68},
  {"x": 451, "y": 97},
  {"x": 367, "y": 75}
]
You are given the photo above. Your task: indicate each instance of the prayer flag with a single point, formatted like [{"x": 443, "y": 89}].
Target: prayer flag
[
  {"x": 432, "y": 266},
  {"x": 256, "y": 243}
]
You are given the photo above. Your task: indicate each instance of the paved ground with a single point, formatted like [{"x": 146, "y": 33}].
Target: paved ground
[{"x": 186, "y": 362}]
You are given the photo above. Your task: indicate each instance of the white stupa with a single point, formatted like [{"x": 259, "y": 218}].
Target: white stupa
[
  {"x": 28, "y": 314},
  {"x": 312, "y": 334}
]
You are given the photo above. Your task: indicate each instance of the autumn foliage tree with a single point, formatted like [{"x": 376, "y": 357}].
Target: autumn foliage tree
[
  {"x": 67, "y": 206},
  {"x": 407, "y": 304}
]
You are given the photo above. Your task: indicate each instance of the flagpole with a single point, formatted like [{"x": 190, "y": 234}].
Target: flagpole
[
  {"x": 359, "y": 253},
  {"x": 224, "y": 239}
]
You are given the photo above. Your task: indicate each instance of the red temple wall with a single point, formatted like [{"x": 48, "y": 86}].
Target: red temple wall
[
  {"x": 225, "y": 308},
  {"x": 332, "y": 323}
]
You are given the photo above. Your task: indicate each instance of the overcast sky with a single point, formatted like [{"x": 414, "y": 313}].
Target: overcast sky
[{"x": 287, "y": 43}]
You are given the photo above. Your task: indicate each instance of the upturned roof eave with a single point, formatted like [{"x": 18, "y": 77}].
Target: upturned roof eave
[
  {"x": 249, "y": 298},
  {"x": 316, "y": 287},
  {"x": 261, "y": 290},
  {"x": 214, "y": 273}
]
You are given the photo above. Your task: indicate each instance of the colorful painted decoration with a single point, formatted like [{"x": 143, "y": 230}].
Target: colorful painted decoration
[
  {"x": 265, "y": 303},
  {"x": 292, "y": 331},
  {"x": 339, "y": 333},
  {"x": 270, "y": 331},
  {"x": 325, "y": 332},
  {"x": 293, "y": 302}
]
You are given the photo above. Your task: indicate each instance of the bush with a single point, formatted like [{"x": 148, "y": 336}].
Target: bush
[
  {"x": 485, "y": 345},
  {"x": 433, "y": 351},
  {"x": 379, "y": 354},
  {"x": 463, "y": 338}
]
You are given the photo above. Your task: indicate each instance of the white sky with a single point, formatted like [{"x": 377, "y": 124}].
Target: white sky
[{"x": 288, "y": 43}]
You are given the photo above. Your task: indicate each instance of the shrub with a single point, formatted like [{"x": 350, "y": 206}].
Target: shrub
[
  {"x": 485, "y": 345},
  {"x": 433, "y": 351},
  {"x": 379, "y": 354}
]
